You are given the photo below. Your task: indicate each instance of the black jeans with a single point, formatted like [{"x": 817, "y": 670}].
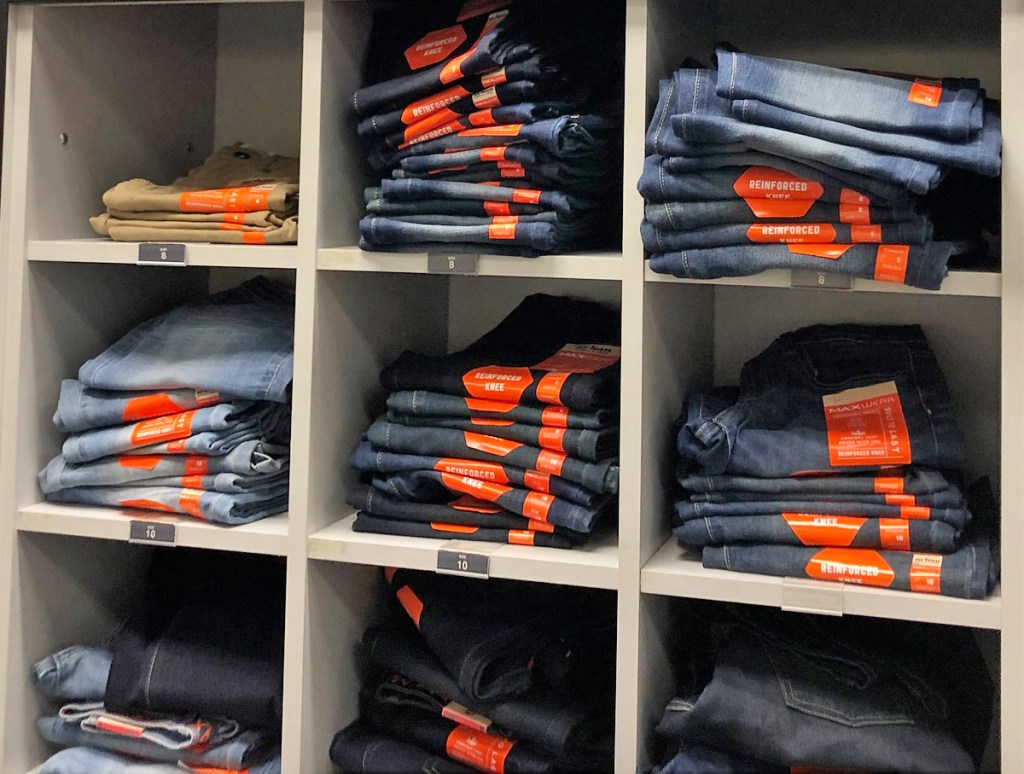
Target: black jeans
[{"x": 362, "y": 749}]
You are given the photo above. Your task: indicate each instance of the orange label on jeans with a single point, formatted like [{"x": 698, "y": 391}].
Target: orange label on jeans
[
  {"x": 926, "y": 573},
  {"x": 494, "y": 78},
  {"x": 854, "y": 213},
  {"x": 791, "y": 232},
  {"x": 491, "y": 422},
  {"x": 817, "y": 529},
  {"x": 552, "y": 438},
  {"x": 861, "y": 233},
  {"x": 435, "y": 47},
  {"x": 550, "y": 462},
  {"x": 888, "y": 485},
  {"x": 149, "y": 505},
  {"x": 162, "y": 429},
  {"x": 894, "y": 534},
  {"x": 502, "y": 219},
  {"x": 252, "y": 198},
  {"x": 832, "y": 252},
  {"x": 849, "y": 196},
  {"x": 772, "y": 208},
  {"x": 549, "y": 389},
  {"x": 499, "y": 447},
  {"x": 498, "y": 382},
  {"x": 430, "y": 105},
  {"x": 462, "y": 529},
  {"x": 539, "y": 482},
  {"x": 484, "y": 490},
  {"x": 851, "y": 565},
  {"x": 412, "y": 604},
  {"x": 149, "y": 406},
  {"x": 482, "y": 118},
  {"x": 493, "y": 154},
  {"x": 189, "y": 500},
  {"x": 497, "y": 208},
  {"x": 513, "y": 172},
  {"x": 536, "y": 506},
  {"x": 192, "y": 482},
  {"x": 519, "y": 537},
  {"x": 526, "y": 196},
  {"x": 770, "y": 183},
  {"x": 555, "y": 416},
  {"x": 493, "y": 406},
  {"x": 502, "y": 130},
  {"x": 921, "y": 512},
  {"x": 254, "y": 238},
  {"x": 473, "y": 505},
  {"x": 453, "y": 70},
  {"x": 488, "y": 98},
  {"x": 900, "y": 499},
  {"x": 891, "y": 263},
  {"x": 501, "y": 231},
  {"x": 485, "y": 471},
  {"x": 140, "y": 461},
  {"x": 581, "y": 358},
  {"x": 927, "y": 93},
  {"x": 866, "y": 426},
  {"x": 197, "y": 465}
]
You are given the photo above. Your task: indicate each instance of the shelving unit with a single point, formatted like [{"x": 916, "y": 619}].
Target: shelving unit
[{"x": 175, "y": 80}]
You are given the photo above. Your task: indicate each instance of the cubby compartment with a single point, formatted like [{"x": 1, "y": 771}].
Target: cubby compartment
[
  {"x": 73, "y": 312},
  {"x": 673, "y": 648},
  {"x": 345, "y": 171},
  {"x": 365, "y": 321},
  {"x": 102, "y": 583},
  {"x": 132, "y": 91},
  {"x": 344, "y": 601}
]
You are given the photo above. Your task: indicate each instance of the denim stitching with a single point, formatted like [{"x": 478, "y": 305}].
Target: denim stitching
[{"x": 664, "y": 113}]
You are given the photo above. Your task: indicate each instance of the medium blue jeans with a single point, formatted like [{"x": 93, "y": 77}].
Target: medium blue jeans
[
  {"x": 80, "y": 408},
  {"x": 238, "y": 343},
  {"x": 952, "y": 111},
  {"x": 680, "y": 216},
  {"x": 912, "y": 481},
  {"x": 421, "y": 403},
  {"x": 829, "y": 398},
  {"x": 521, "y": 153},
  {"x": 442, "y": 208},
  {"x": 916, "y": 232},
  {"x": 77, "y": 673},
  {"x": 413, "y": 190},
  {"x": 920, "y": 266},
  {"x": 536, "y": 236}
]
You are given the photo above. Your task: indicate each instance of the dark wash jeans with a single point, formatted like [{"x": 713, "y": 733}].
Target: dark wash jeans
[
  {"x": 950, "y": 498},
  {"x": 778, "y": 428},
  {"x": 912, "y": 481},
  {"x": 366, "y": 522},
  {"x": 679, "y": 216},
  {"x": 363, "y": 749},
  {"x": 958, "y": 517},
  {"x": 422, "y": 403},
  {"x": 414, "y": 190}
]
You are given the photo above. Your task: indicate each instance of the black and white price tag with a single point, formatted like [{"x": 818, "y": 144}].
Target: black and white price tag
[
  {"x": 158, "y": 254},
  {"x": 808, "y": 278},
  {"x": 152, "y": 532},
  {"x": 463, "y": 557},
  {"x": 452, "y": 263}
]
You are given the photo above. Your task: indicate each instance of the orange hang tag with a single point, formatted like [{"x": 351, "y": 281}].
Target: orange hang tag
[
  {"x": 163, "y": 429},
  {"x": 536, "y": 506},
  {"x": 412, "y": 604},
  {"x": 866, "y": 426},
  {"x": 517, "y": 172},
  {"x": 581, "y": 358},
  {"x": 149, "y": 505},
  {"x": 499, "y": 447},
  {"x": 482, "y": 118},
  {"x": 851, "y": 565},
  {"x": 483, "y": 752},
  {"x": 483, "y": 490},
  {"x": 435, "y": 47},
  {"x": 438, "y": 118},
  {"x": 855, "y": 213},
  {"x": 189, "y": 502},
  {"x": 925, "y": 92},
  {"x": 552, "y": 438},
  {"x": 492, "y": 406},
  {"x": 830, "y": 251},
  {"x": 197, "y": 465},
  {"x": 139, "y": 461},
  {"x": 773, "y": 208},
  {"x": 926, "y": 573},
  {"x": 472, "y": 505},
  {"x": 498, "y": 383},
  {"x": 555, "y": 416},
  {"x": 149, "y": 406},
  {"x": 900, "y": 499},
  {"x": 488, "y": 98},
  {"x": 501, "y": 231},
  {"x": 500, "y": 219},
  {"x": 816, "y": 529},
  {"x": 526, "y": 196},
  {"x": 770, "y": 183},
  {"x": 891, "y": 263},
  {"x": 922, "y": 512},
  {"x": 861, "y": 233},
  {"x": 254, "y": 238},
  {"x": 888, "y": 485},
  {"x": 191, "y": 482},
  {"x": 254, "y": 198},
  {"x": 502, "y": 130},
  {"x": 550, "y": 462},
  {"x": 461, "y": 529},
  {"x": 453, "y": 70},
  {"x": 549, "y": 389},
  {"x": 537, "y": 481},
  {"x": 849, "y": 196},
  {"x": 518, "y": 537},
  {"x": 485, "y": 471},
  {"x": 493, "y": 154},
  {"x": 497, "y": 208},
  {"x": 429, "y": 105},
  {"x": 894, "y": 534},
  {"x": 791, "y": 232}
]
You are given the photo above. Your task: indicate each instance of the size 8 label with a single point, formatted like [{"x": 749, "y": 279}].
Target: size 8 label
[
  {"x": 866, "y": 426},
  {"x": 160, "y": 254},
  {"x": 452, "y": 263}
]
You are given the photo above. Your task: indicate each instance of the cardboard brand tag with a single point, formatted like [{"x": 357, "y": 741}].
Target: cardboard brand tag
[
  {"x": 851, "y": 565},
  {"x": 494, "y": 78},
  {"x": 865, "y": 426},
  {"x": 488, "y": 98},
  {"x": 465, "y": 717},
  {"x": 581, "y": 358},
  {"x": 891, "y": 263},
  {"x": 926, "y": 573}
]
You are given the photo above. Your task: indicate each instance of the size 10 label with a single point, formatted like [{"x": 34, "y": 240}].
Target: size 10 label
[
  {"x": 152, "y": 532},
  {"x": 452, "y": 263},
  {"x": 157, "y": 254},
  {"x": 462, "y": 563}
]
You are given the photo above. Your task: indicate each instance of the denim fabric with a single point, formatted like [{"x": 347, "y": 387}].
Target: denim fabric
[
  {"x": 842, "y": 531},
  {"x": 275, "y": 433},
  {"x": 422, "y": 248},
  {"x": 367, "y": 459},
  {"x": 86, "y": 760},
  {"x": 520, "y": 152},
  {"x": 524, "y": 113},
  {"x": 438, "y": 208},
  {"x": 691, "y": 120},
  {"x": 477, "y": 222},
  {"x": 879, "y": 192},
  {"x": 238, "y": 342},
  {"x": 679, "y": 216},
  {"x": 431, "y": 486},
  {"x": 413, "y": 190},
  {"x": 203, "y": 431},
  {"x": 589, "y": 445},
  {"x": 951, "y": 498},
  {"x": 235, "y": 751},
  {"x": 439, "y": 735},
  {"x": 421, "y": 403},
  {"x": 367, "y": 522},
  {"x": 58, "y": 475},
  {"x": 466, "y": 511},
  {"x": 80, "y": 408},
  {"x": 556, "y": 725},
  {"x": 911, "y": 481},
  {"x": 957, "y": 517},
  {"x": 968, "y": 573},
  {"x": 173, "y": 733},
  {"x": 247, "y": 464},
  {"x": 861, "y": 99},
  {"x": 362, "y": 749},
  {"x": 230, "y": 509},
  {"x": 597, "y": 476},
  {"x": 77, "y": 673},
  {"x": 980, "y": 154},
  {"x": 916, "y": 232},
  {"x": 537, "y": 330},
  {"x": 818, "y": 704},
  {"x": 590, "y": 182},
  {"x": 777, "y": 427},
  {"x": 536, "y": 236},
  {"x": 693, "y": 758},
  {"x": 919, "y": 266}
]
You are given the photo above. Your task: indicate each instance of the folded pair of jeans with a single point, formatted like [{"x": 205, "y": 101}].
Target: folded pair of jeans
[
  {"x": 949, "y": 498},
  {"x": 423, "y": 403},
  {"x": 828, "y": 398},
  {"x": 384, "y": 232},
  {"x": 957, "y": 517},
  {"x": 893, "y": 481},
  {"x": 367, "y": 522},
  {"x": 361, "y": 748},
  {"x": 87, "y": 760},
  {"x": 413, "y": 190},
  {"x": 681, "y": 216},
  {"x": 515, "y": 153},
  {"x": 238, "y": 343},
  {"x": 80, "y": 408}
]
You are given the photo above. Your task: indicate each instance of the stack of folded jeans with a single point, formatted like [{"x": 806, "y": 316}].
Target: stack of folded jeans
[
  {"x": 188, "y": 413},
  {"x": 239, "y": 195},
  {"x": 836, "y": 458},
  {"x": 767, "y": 163},
  {"x": 512, "y": 440},
  {"x": 192, "y": 680},
  {"x": 498, "y": 677},
  {"x": 788, "y": 692},
  {"x": 497, "y": 133}
]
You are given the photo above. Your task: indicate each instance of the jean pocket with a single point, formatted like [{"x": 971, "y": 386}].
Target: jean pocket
[{"x": 813, "y": 688}]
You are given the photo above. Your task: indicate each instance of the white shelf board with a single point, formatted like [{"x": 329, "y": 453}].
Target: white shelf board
[
  {"x": 267, "y": 536},
  {"x": 677, "y": 573},
  {"x": 985, "y": 284},
  {"x": 196, "y": 253},
  {"x": 595, "y": 266},
  {"x": 594, "y": 566}
]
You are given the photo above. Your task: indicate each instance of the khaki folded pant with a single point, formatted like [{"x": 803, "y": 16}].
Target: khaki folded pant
[{"x": 183, "y": 231}]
